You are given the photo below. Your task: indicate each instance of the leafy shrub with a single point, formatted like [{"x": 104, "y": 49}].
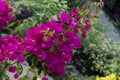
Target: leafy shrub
[
  {"x": 116, "y": 22},
  {"x": 31, "y": 13},
  {"x": 99, "y": 56},
  {"x": 44, "y": 10},
  {"x": 77, "y": 3},
  {"x": 72, "y": 74}
]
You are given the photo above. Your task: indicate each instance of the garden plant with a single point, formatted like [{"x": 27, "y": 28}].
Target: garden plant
[
  {"x": 57, "y": 40},
  {"x": 50, "y": 45}
]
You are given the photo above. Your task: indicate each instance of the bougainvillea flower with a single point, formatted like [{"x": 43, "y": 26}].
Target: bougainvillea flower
[
  {"x": 12, "y": 69},
  {"x": 44, "y": 78},
  {"x": 2, "y": 58},
  {"x": 11, "y": 48},
  {"x": 16, "y": 75},
  {"x": 21, "y": 58},
  {"x": 64, "y": 17}
]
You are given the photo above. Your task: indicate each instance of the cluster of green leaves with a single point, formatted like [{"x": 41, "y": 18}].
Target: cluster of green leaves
[
  {"x": 99, "y": 55},
  {"x": 77, "y": 3},
  {"x": 39, "y": 11},
  {"x": 44, "y": 10},
  {"x": 116, "y": 22},
  {"x": 3, "y": 67}
]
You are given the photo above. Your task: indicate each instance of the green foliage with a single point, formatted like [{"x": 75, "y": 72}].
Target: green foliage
[
  {"x": 19, "y": 68},
  {"x": 99, "y": 56},
  {"x": 39, "y": 11},
  {"x": 3, "y": 68},
  {"x": 116, "y": 22},
  {"x": 24, "y": 78},
  {"x": 44, "y": 10},
  {"x": 72, "y": 74},
  {"x": 77, "y": 3},
  {"x": 26, "y": 24}
]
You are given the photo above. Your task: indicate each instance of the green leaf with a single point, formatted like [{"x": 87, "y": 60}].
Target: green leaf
[
  {"x": 19, "y": 68},
  {"x": 56, "y": 0},
  {"x": 3, "y": 35},
  {"x": 33, "y": 69},
  {"x": 6, "y": 77},
  {"x": 86, "y": 11},
  {"x": 80, "y": 12},
  {"x": 24, "y": 78},
  {"x": 35, "y": 78}
]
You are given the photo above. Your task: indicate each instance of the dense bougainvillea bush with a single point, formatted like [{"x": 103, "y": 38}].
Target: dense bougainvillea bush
[{"x": 52, "y": 42}]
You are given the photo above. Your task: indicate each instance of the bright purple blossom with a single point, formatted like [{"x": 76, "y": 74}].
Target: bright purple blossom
[
  {"x": 11, "y": 48},
  {"x": 21, "y": 58},
  {"x": 12, "y": 56},
  {"x": 74, "y": 23},
  {"x": 16, "y": 75},
  {"x": 44, "y": 78},
  {"x": 65, "y": 17},
  {"x": 12, "y": 69},
  {"x": 74, "y": 13},
  {"x": 54, "y": 41},
  {"x": 2, "y": 58}
]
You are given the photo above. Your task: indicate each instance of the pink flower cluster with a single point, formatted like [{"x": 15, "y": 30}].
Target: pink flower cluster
[
  {"x": 5, "y": 14},
  {"x": 54, "y": 41},
  {"x": 11, "y": 49},
  {"x": 13, "y": 70}
]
